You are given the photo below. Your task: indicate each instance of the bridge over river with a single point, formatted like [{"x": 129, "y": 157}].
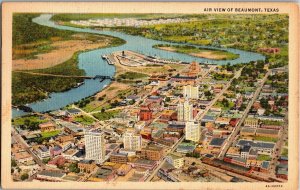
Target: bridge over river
[{"x": 103, "y": 77}]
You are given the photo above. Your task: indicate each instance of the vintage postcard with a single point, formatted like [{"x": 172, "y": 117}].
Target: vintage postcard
[{"x": 141, "y": 95}]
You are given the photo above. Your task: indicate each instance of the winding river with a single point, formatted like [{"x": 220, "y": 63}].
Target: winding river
[{"x": 93, "y": 65}]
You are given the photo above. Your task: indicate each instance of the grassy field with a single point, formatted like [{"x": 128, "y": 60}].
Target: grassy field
[
  {"x": 264, "y": 157},
  {"x": 83, "y": 119},
  {"x": 132, "y": 75},
  {"x": 265, "y": 139},
  {"x": 106, "y": 115},
  {"x": 267, "y": 122},
  {"x": 31, "y": 118},
  {"x": 284, "y": 152},
  {"x": 50, "y": 133},
  {"x": 227, "y": 105},
  {"x": 199, "y": 52},
  {"x": 92, "y": 107},
  {"x": 221, "y": 76}
]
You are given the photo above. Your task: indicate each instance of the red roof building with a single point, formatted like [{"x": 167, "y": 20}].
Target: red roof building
[{"x": 145, "y": 113}]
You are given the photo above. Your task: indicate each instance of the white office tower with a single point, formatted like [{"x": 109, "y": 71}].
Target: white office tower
[
  {"x": 192, "y": 131},
  {"x": 185, "y": 111},
  {"x": 94, "y": 145},
  {"x": 132, "y": 140},
  {"x": 190, "y": 91}
]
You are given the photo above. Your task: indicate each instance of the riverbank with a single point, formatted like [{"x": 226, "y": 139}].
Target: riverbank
[
  {"x": 59, "y": 51},
  {"x": 213, "y": 54},
  {"x": 55, "y": 52},
  {"x": 28, "y": 88}
]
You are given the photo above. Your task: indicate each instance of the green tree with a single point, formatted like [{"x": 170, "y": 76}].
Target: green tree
[
  {"x": 24, "y": 176},
  {"x": 13, "y": 163},
  {"x": 26, "y": 122},
  {"x": 207, "y": 93},
  {"x": 74, "y": 168},
  {"x": 46, "y": 160}
]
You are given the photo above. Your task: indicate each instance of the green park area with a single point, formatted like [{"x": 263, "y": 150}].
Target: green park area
[
  {"x": 199, "y": 52},
  {"x": 224, "y": 104},
  {"x": 129, "y": 77},
  {"x": 265, "y": 139},
  {"x": 83, "y": 119},
  {"x": 48, "y": 134},
  {"x": 221, "y": 76},
  {"x": 285, "y": 152},
  {"x": 30, "y": 122},
  {"x": 270, "y": 122},
  {"x": 262, "y": 157},
  {"x": 26, "y": 120},
  {"x": 93, "y": 106},
  {"x": 106, "y": 114}
]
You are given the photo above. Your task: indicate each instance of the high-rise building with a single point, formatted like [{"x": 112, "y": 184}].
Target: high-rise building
[
  {"x": 192, "y": 131},
  {"x": 190, "y": 91},
  {"x": 132, "y": 140},
  {"x": 94, "y": 145},
  {"x": 185, "y": 111}
]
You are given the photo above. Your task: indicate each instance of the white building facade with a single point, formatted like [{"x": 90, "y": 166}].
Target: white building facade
[
  {"x": 132, "y": 141},
  {"x": 94, "y": 146},
  {"x": 190, "y": 91},
  {"x": 185, "y": 111},
  {"x": 192, "y": 131}
]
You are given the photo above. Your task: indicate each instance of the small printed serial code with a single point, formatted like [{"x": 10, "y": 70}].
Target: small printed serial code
[{"x": 274, "y": 185}]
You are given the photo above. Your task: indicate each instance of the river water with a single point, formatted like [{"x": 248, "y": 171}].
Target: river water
[{"x": 93, "y": 64}]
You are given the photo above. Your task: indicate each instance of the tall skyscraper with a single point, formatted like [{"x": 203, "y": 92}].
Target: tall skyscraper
[
  {"x": 190, "y": 91},
  {"x": 192, "y": 131},
  {"x": 94, "y": 145},
  {"x": 185, "y": 111},
  {"x": 132, "y": 140}
]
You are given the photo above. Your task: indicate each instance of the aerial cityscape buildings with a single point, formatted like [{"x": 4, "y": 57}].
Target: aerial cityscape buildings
[{"x": 160, "y": 107}]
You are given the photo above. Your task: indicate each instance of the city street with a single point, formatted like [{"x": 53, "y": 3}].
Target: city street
[
  {"x": 20, "y": 140},
  {"x": 164, "y": 160},
  {"x": 236, "y": 130}
]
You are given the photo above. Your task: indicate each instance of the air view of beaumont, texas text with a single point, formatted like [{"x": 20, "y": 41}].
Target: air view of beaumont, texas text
[{"x": 150, "y": 97}]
